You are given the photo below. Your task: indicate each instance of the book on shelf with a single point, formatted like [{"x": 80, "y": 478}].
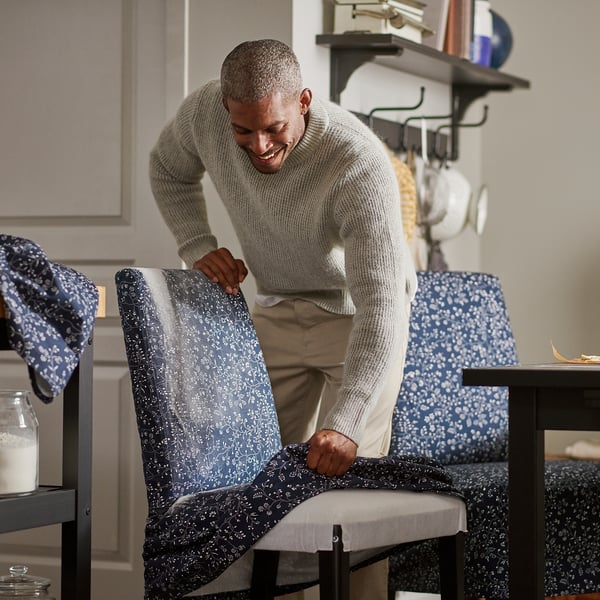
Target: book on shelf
[
  {"x": 414, "y": 9},
  {"x": 459, "y": 29},
  {"x": 436, "y": 16},
  {"x": 399, "y": 17},
  {"x": 412, "y": 13}
]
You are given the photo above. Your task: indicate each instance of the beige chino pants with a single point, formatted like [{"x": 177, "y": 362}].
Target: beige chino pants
[{"x": 304, "y": 348}]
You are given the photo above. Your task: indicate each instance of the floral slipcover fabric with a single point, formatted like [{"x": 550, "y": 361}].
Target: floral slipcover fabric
[
  {"x": 460, "y": 320},
  {"x": 50, "y": 313},
  {"x": 217, "y": 478}
]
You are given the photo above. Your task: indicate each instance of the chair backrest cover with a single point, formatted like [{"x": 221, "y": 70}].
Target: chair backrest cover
[
  {"x": 458, "y": 320},
  {"x": 202, "y": 396}
]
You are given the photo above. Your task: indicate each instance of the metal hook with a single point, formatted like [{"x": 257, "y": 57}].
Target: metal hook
[
  {"x": 457, "y": 125},
  {"x": 382, "y": 108},
  {"x": 419, "y": 118}
]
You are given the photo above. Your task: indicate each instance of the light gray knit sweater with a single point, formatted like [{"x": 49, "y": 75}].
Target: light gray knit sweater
[{"x": 326, "y": 228}]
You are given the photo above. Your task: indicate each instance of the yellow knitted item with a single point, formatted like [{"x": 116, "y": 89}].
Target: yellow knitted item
[{"x": 408, "y": 195}]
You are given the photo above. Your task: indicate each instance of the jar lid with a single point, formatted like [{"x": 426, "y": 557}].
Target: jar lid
[{"x": 18, "y": 582}]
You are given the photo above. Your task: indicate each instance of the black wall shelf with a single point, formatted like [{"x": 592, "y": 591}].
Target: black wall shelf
[
  {"x": 350, "y": 50},
  {"x": 468, "y": 81}
]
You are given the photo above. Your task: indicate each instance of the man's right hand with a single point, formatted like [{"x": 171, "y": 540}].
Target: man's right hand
[{"x": 220, "y": 267}]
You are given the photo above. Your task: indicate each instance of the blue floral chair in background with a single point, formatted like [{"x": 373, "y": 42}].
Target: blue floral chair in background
[
  {"x": 459, "y": 320},
  {"x": 227, "y": 504}
]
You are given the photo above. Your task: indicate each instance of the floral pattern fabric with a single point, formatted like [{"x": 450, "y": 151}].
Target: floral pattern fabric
[
  {"x": 203, "y": 401},
  {"x": 217, "y": 478},
  {"x": 459, "y": 320},
  {"x": 50, "y": 313},
  {"x": 202, "y": 534}
]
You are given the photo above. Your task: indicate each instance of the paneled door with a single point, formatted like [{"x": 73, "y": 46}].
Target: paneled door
[{"x": 83, "y": 97}]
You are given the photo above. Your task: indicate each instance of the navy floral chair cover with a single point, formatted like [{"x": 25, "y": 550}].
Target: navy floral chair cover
[
  {"x": 459, "y": 320},
  {"x": 216, "y": 475}
]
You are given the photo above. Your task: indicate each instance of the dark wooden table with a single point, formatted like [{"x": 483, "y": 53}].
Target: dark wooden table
[{"x": 546, "y": 396}]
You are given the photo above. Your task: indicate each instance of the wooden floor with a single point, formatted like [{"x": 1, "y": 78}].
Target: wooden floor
[
  {"x": 595, "y": 596},
  {"x": 411, "y": 596}
]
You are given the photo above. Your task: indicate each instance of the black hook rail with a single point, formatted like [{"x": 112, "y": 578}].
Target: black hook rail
[
  {"x": 395, "y": 108},
  {"x": 454, "y": 125},
  {"x": 468, "y": 81}
]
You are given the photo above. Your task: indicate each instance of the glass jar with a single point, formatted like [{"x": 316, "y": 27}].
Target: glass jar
[
  {"x": 18, "y": 444},
  {"x": 18, "y": 584}
]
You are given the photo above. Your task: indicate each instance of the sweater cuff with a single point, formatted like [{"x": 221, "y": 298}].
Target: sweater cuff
[
  {"x": 196, "y": 249},
  {"x": 351, "y": 425}
]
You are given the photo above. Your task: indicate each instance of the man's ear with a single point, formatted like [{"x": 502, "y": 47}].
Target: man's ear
[
  {"x": 224, "y": 100},
  {"x": 305, "y": 100}
]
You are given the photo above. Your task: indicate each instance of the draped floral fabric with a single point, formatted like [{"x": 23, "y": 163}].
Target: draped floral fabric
[
  {"x": 50, "y": 312},
  {"x": 217, "y": 478},
  {"x": 460, "y": 320},
  {"x": 202, "y": 534}
]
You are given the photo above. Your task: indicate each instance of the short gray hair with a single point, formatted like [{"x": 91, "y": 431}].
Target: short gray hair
[{"x": 256, "y": 69}]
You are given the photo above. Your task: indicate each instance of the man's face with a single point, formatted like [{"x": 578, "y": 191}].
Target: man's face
[{"x": 268, "y": 130}]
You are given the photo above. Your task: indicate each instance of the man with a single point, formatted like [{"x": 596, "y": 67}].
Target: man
[{"x": 315, "y": 204}]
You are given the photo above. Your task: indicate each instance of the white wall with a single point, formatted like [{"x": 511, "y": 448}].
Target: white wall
[{"x": 541, "y": 160}]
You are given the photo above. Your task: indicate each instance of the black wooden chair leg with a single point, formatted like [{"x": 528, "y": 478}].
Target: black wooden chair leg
[
  {"x": 452, "y": 566},
  {"x": 264, "y": 574},
  {"x": 334, "y": 570}
]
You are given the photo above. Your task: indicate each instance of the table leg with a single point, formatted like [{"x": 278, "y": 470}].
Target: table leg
[
  {"x": 77, "y": 474},
  {"x": 525, "y": 497}
]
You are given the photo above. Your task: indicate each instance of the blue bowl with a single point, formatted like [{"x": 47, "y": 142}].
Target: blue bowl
[{"x": 502, "y": 41}]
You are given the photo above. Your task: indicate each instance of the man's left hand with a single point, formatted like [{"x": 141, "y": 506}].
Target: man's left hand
[{"x": 330, "y": 453}]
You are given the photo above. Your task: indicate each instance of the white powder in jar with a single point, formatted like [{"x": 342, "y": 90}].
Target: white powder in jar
[{"x": 18, "y": 464}]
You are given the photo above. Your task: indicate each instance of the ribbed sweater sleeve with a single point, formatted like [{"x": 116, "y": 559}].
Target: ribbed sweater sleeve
[
  {"x": 326, "y": 228},
  {"x": 176, "y": 171},
  {"x": 377, "y": 266}
]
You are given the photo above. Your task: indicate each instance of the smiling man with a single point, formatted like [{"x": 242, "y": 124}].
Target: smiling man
[
  {"x": 269, "y": 129},
  {"x": 315, "y": 204}
]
